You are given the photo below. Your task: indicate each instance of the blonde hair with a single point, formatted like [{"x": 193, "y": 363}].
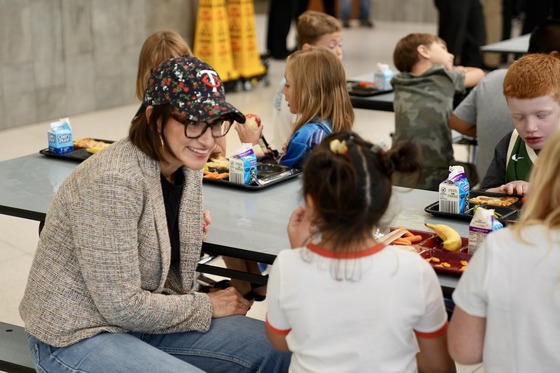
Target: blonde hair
[
  {"x": 319, "y": 85},
  {"x": 543, "y": 200},
  {"x": 312, "y": 25},
  {"x": 405, "y": 55},
  {"x": 158, "y": 47},
  {"x": 534, "y": 75}
]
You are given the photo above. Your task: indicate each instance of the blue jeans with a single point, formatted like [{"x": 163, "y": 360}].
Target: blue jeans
[
  {"x": 346, "y": 7},
  {"x": 233, "y": 344}
]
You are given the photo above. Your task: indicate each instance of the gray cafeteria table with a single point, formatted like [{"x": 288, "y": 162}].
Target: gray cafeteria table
[
  {"x": 381, "y": 102},
  {"x": 517, "y": 45},
  {"x": 245, "y": 224}
]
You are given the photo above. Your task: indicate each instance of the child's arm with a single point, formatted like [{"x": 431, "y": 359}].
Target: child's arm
[
  {"x": 473, "y": 75},
  {"x": 277, "y": 340},
  {"x": 466, "y": 337},
  {"x": 459, "y": 125},
  {"x": 433, "y": 356}
]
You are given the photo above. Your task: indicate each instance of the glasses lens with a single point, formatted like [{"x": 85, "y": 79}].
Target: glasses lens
[
  {"x": 194, "y": 130},
  {"x": 221, "y": 127}
]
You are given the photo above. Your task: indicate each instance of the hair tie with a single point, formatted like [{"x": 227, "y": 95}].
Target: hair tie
[{"x": 338, "y": 147}]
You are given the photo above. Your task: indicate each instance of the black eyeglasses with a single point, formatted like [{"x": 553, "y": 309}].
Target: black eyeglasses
[{"x": 193, "y": 130}]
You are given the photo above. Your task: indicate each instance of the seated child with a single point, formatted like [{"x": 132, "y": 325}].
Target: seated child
[
  {"x": 424, "y": 91},
  {"x": 484, "y": 112},
  {"x": 507, "y": 307},
  {"x": 365, "y": 307},
  {"x": 314, "y": 29},
  {"x": 532, "y": 91},
  {"x": 319, "y": 96}
]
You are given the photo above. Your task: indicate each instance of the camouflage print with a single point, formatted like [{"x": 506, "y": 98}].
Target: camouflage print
[{"x": 423, "y": 105}]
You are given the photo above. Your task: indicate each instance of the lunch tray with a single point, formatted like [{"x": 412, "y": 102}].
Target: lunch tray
[
  {"x": 430, "y": 249},
  {"x": 77, "y": 155},
  {"x": 509, "y": 214},
  {"x": 354, "y": 89},
  {"x": 268, "y": 175}
]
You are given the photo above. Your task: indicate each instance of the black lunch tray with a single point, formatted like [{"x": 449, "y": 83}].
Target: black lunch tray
[
  {"x": 77, "y": 155},
  {"x": 510, "y": 214},
  {"x": 355, "y": 90},
  {"x": 269, "y": 174}
]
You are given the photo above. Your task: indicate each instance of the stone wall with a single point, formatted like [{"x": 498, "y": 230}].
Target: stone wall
[{"x": 64, "y": 57}]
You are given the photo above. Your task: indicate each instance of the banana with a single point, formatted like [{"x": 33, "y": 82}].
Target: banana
[{"x": 451, "y": 239}]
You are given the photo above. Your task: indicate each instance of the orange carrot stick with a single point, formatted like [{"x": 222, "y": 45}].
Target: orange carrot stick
[
  {"x": 401, "y": 241},
  {"x": 414, "y": 239}
]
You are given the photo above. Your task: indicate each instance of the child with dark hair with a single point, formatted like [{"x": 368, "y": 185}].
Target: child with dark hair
[{"x": 381, "y": 304}]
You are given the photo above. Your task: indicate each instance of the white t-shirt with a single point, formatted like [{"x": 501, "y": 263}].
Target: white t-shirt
[
  {"x": 516, "y": 287},
  {"x": 365, "y": 324}
]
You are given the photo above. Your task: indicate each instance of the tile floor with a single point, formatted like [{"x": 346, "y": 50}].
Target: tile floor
[{"x": 363, "y": 48}]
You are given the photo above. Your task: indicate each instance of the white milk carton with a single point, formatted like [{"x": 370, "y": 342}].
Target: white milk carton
[
  {"x": 60, "y": 137},
  {"x": 454, "y": 191},
  {"x": 243, "y": 165},
  {"x": 382, "y": 77},
  {"x": 482, "y": 223}
]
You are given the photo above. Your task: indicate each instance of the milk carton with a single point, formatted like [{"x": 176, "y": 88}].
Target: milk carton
[
  {"x": 60, "y": 137},
  {"x": 482, "y": 223},
  {"x": 243, "y": 165},
  {"x": 454, "y": 191},
  {"x": 382, "y": 77}
]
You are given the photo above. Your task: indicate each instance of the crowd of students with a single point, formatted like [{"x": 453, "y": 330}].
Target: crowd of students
[{"x": 114, "y": 270}]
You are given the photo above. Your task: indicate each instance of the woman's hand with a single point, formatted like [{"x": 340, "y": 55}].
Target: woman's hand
[
  {"x": 247, "y": 134},
  {"x": 228, "y": 302},
  {"x": 206, "y": 221},
  {"x": 518, "y": 187},
  {"x": 299, "y": 227}
]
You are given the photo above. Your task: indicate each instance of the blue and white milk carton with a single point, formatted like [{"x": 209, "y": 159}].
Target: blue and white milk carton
[
  {"x": 60, "y": 137},
  {"x": 454, "y": 192},
  {"x": 243, "y": 165}
]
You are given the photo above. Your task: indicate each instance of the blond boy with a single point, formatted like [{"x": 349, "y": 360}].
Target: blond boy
[{"x": 314, "y": 29}]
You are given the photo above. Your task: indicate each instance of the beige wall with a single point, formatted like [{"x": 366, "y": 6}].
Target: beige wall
[{"x": 64, "y": 57}]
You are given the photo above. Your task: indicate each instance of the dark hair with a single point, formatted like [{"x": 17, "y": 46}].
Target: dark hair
[
  {"x": 545, "y": 38},
  {"x": 351, "y": 191},
  {"x": 145, "y": 135}
]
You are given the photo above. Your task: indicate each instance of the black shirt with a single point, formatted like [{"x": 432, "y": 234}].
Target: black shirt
[{"x": 172, "y": 200}]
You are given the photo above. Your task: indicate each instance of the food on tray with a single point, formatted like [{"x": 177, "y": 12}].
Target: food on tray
[
  {"x": 88, "y": 142},
  {"x": 494, "y": 200},
  {"x": 215, "y": 175},
  {"x": 217, "y": 162},
  {"x": 451, "y": 239},
  {"x": 98, "y": 148}
]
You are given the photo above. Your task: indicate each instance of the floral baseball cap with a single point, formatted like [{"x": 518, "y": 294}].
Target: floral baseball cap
[{"x": 192, "y": 87}]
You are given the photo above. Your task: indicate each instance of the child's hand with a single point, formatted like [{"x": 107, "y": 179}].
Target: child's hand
[
  {"x": 299, "y": 227},
  {"x": 247, "y": 134},
  {"x": 518, "y": 187}
]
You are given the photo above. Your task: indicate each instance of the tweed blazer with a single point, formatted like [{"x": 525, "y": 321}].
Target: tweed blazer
[{"x": 103, "y": 259}]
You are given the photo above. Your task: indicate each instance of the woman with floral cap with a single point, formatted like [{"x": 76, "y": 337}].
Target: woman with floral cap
[{"x": 111, "y": 285}]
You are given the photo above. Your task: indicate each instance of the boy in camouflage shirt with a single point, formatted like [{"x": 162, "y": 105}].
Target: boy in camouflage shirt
[{"x": 424, "y": 91}]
